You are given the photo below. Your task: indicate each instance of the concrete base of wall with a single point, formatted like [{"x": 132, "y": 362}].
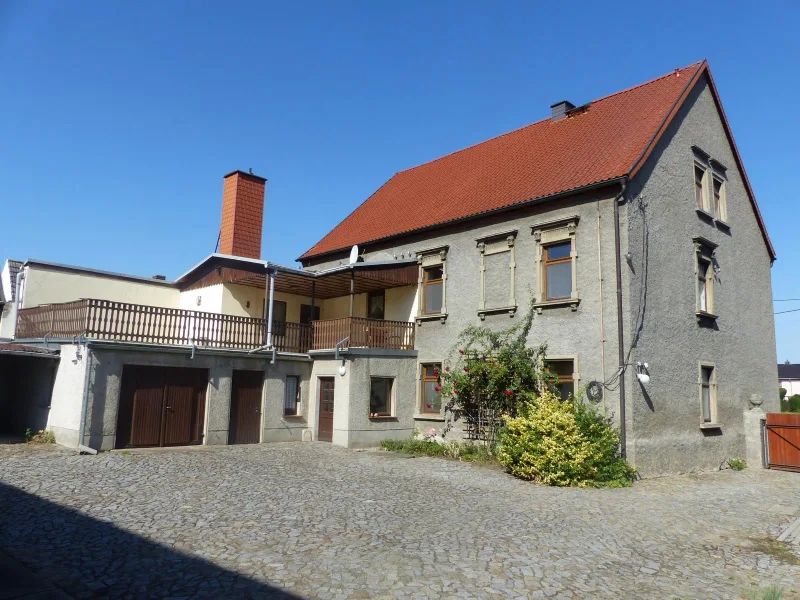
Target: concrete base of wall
[
  {"x": 754, "y": 446},
  {"x": 283, "y": 434},
  {"x": 372, "y": 439},
  {"x": 65, "y": 437}
]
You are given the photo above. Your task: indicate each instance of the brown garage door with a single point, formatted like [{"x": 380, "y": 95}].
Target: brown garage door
[
  {"x": 325, "y": 431},
  {"x": 161, "y": 406},
  {"x": 246, "y": 407}
]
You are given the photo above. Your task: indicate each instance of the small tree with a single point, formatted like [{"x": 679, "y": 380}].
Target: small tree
[{"x": 492, "y": 373}]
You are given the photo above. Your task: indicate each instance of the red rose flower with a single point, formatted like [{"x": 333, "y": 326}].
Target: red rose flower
[
  {"x": 427, "y": 406},
  {"x": 447, "y": 369},
  {"x": 466, "y": 369},
  {"x": 436, "y": 389},
  {"x": 460, "y": 351},
  {"x": 509, "y": 393},
  {"x": 435, "y": 373}
]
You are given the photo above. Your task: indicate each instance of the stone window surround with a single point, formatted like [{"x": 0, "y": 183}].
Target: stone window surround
[
  {"x": 497, "y": 243},
  {"x": 712, "y": 169},
  {"x": 431, "y": 257},
  {"x": 392, "y": 399},
  {"x": 705, "y": 250},
  {"x": 713, "y": 408},
  {"x": 299, "y": 392},
  {"x": 576, "y": 375},
  {"x": 420, "y": 415},
  {"x": 551, "y": 232}
]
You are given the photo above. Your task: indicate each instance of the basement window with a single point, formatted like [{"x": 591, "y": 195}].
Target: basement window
[{"x": 380, "y": 397}]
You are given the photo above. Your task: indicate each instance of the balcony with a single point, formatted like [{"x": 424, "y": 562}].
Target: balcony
[{"x": 123, "y": 322}]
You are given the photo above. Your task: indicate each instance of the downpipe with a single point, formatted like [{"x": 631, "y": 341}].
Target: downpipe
[
  {"x": 18, "y": 300},
  {"x": 620, "y": 328}
]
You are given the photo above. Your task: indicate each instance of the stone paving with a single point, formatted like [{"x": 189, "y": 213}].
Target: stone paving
[{"x": 317, "y": 521}]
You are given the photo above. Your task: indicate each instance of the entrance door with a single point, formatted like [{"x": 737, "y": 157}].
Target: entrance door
[
  {"x": 245, "y": 424},
  {"x": 325, "y": 433},
  {"x": 161, "y": 406}
]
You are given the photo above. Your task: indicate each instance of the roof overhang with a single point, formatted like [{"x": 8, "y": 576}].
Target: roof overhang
[{"x": 329, "y": 283}]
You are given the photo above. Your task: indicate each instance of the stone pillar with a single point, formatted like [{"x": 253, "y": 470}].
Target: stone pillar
[
  {"x": 752, "y": 433},
  {"x": 218, "y": 400}
]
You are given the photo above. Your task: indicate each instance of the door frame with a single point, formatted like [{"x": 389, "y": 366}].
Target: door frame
[{"x": 319, "y": 404}]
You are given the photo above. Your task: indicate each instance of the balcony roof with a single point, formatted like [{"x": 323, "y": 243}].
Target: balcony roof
[{"x": 329, "y": 283}]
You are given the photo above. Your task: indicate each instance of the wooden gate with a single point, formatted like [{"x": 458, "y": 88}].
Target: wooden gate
[
  {"x": 161, "y": 406},
  {"x": 325, "y": 431},
  {"x": 783, "y": 441},
  {"x": 245, "y": 424}
]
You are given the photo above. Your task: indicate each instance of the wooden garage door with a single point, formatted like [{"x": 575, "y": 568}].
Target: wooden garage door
[
  {"x": 246, "y": 407},
  {"x": 161, "y": 406}
]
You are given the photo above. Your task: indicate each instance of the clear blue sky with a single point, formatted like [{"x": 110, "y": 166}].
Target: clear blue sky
[{"x": 118, "y": 119}]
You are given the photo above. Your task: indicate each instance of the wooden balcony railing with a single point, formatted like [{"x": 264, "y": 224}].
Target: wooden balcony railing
[
  {"x": 120, "y": 321},
  {"x": 363, "y": 333}
]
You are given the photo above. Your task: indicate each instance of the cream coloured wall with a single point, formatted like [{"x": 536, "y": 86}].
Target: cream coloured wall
[
  {"x": 401, "y": 303},
  {"x": 336, "y": 308},
  {"x": 235, "y": 298},
  {"x": 46, "y": 286}
]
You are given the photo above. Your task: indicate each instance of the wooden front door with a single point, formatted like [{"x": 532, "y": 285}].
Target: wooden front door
[
  {"x": 325, "y": 433},
  {"x": 161, "y": 406},
  {"x": 246, "y": 392}
]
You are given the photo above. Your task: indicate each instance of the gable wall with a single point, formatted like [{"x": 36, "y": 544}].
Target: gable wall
[{"x": 664, "y": 422}]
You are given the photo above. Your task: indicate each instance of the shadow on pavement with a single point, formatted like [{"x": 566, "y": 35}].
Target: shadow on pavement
[{"x": 89, "y": 558}]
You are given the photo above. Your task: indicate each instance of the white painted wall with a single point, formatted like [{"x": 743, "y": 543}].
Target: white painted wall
[
  {"x": 792, "y": 386},
  {"x": 210, "y": 299},
  {"x": 67, "y": 399},
  {"x": 43, "y": 285}
]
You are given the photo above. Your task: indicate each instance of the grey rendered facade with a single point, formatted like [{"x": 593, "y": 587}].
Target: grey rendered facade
[
  {"x": 658, "y": 221},
  {"x": 492, "y": 266}
]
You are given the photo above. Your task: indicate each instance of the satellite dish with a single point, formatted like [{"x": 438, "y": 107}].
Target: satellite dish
[
  {"x": 354, "y": 255},
  {"x": 595, "y": 391}
]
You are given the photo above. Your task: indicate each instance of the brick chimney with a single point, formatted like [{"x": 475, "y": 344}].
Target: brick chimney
[{"x": 242, "y": 214}]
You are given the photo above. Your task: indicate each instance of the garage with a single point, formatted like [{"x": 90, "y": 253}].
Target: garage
[
  {"x": 27, "y": 374},
  {"x": 161, "y": 406},
  {"x": 246, "y": 391}
]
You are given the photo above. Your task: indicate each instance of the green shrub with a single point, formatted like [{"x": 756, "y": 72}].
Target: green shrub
[
  {"x": 465, "y": 451},
  {"x": 794, "y": 403},
  {"x": 564, "y": 443},
  {"x": 42, "y": 437},
  {"x": 737, "y": 464}
]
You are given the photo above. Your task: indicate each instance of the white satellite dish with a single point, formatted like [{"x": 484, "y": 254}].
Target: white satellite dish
[{"x": 354, "y": 255}]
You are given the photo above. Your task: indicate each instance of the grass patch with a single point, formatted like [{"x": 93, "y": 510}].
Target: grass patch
[
  {"x": 41, "y": 437},
  {"x": 779, "y": 550},
  {"x": 464, "y": 451},
  {"x": 773, "y": 592}
]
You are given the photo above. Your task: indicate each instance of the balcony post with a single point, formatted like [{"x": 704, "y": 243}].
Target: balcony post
[
  {"x": 352, "y": 288},
  {"x": 271, "y": 273}
]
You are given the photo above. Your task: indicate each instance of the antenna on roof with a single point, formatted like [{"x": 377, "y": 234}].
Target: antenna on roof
[{"x": 354, "y": 255}]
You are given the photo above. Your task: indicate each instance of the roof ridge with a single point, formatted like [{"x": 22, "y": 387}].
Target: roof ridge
[{"x": 545, "y": 119}]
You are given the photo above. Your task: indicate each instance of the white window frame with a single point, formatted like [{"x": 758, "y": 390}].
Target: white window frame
[
  {"x": 705, "y": 252},
  {"x": 712, "y": 393},
  {"x": 546, "y": 234},
  {"x": 392, "y": 393}
]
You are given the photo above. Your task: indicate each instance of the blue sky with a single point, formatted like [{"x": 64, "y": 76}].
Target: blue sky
[{"x": 119, "y": 120}]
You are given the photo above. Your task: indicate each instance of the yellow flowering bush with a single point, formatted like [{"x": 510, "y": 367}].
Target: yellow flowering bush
[{"x": 564, "y": 443}]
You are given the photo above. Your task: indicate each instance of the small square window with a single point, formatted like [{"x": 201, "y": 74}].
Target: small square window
[
  {"x": 291, "y": 401},
  {"x": 564, "y": 370},
  {"x": 431, "y": 382},
  {"x": 380, "y": 396}
]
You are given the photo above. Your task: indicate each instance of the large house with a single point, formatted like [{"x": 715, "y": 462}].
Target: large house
[{"x": 628, "y": 223}]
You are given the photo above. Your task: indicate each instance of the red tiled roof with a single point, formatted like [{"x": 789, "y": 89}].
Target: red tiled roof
[{"x": 611, "y": 139}]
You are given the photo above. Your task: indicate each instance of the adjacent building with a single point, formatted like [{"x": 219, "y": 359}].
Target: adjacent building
[{"x": 627, "y": 223}]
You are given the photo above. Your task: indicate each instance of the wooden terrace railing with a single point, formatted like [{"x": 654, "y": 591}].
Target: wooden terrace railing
[
  {"x": 363, "y": 333},
  {"x": 120, "y": 321}
]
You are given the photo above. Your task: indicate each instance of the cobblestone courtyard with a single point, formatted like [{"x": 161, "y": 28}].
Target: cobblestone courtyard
[{"x": 317, "y": 521}]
